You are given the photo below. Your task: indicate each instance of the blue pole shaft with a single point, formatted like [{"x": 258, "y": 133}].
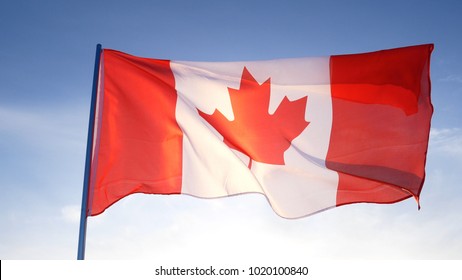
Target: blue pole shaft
[{"x": 86, "y": 178}]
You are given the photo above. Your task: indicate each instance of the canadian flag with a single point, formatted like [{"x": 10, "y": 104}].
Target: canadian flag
[{"x": 307, "y": 133}]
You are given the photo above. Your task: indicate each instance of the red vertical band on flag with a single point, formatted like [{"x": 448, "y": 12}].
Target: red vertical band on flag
[
  {"x": 140, "y": 143},
  {"x": 381, "y": 123}
]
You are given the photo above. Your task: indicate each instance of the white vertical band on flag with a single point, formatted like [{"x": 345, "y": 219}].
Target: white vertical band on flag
[{"x": 210, "y": 168}]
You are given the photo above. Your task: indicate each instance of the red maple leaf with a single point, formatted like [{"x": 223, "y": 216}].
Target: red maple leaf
[{"x": 254, "y": 132}]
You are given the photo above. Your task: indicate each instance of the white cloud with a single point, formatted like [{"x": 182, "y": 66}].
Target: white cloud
[
  {"x": 452, "y": 78},
  {"x": 243, "y": 229},
  {"x": 447, "y": 141},
  {"x": 71, "y": 213},
  {"x": 44, "y": 128}
]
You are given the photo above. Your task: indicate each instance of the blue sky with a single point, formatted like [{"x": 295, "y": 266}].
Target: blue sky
[{"x": 46, "y": 62}]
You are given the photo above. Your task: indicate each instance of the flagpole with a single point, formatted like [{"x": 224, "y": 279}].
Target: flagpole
[{"x": 86, "y": 177}]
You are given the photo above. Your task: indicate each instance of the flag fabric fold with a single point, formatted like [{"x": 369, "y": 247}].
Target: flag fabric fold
[{"x": 307, "y": 133}]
